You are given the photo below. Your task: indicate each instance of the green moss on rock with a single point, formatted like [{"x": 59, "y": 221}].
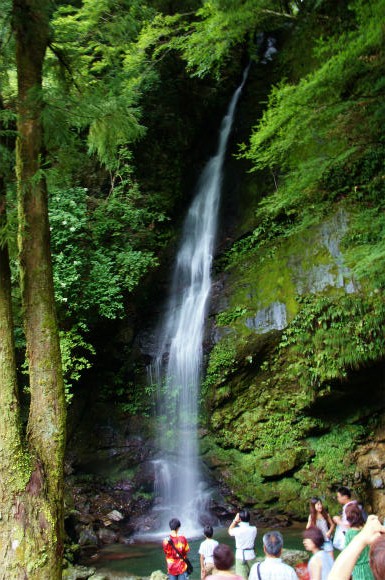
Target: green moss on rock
[{"x": 276, "y": 401}]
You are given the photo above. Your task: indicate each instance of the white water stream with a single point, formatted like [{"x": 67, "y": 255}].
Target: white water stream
[{"x": 179, "y": 486}]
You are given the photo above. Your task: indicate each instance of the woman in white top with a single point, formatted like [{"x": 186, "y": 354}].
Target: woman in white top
[
  {"x": 206, "y": 550},
  {"x": 321, "y": 562},
  {"x": 320, "y": 518}
]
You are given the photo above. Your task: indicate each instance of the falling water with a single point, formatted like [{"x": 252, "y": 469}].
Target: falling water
[{"x": 179, "y": 487}]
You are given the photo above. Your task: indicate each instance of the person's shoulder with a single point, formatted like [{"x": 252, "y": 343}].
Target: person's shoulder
[{"x": 289, "y": 571}]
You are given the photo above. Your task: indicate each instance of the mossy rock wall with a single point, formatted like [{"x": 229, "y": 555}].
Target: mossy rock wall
[{"x": 294, "y": 383}]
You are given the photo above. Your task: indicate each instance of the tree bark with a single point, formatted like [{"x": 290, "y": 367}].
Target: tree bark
[
  {"x": 32, "y": 529},
  {"x": 10, "y": 425}
]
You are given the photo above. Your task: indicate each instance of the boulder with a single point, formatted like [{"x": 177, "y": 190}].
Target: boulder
[
  {"x": 88, "y": 537},
  {"x": 107, "y": 536},
  {"x": 294, "y": 557},
  {"x": 280, "y": 465},
  {"x": 78, "y": 573},
  {"x": 158, "y": 575}
]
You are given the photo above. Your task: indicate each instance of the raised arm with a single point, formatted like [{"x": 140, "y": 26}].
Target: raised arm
[
  {"x": 344, "y": 564},
  {"x": 235, "y": 521}
]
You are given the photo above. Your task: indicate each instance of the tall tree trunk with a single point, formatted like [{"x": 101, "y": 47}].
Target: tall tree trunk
[
  {"x": 11, "y": 455},
  {"x": 34, "y": 530}
]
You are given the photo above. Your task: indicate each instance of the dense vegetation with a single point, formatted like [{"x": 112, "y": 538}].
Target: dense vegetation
[{"x": 319, "y": 148}]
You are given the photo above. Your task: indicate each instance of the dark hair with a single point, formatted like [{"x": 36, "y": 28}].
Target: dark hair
[
  {"x": 354, "y": 515},
  {"x": 174, "y": 524},
  {"x": 313, "y": 511},
  {"x": 223, "y": 557},
  {"x": 244, "y": 515},
  {"x": 315, "y": 535},
  {"x": 273, "y": 543},
  {"x": 208, "y": 531},
  {"x": 343, "y": 490},
  {"x": 377, "y": 558}
]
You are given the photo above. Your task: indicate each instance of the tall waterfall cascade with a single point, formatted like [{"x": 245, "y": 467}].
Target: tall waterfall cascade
[{"x": 179, "y": 487}]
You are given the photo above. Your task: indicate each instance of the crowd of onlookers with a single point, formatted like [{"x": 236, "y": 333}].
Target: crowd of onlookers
[{"x": 359, "y": 538}]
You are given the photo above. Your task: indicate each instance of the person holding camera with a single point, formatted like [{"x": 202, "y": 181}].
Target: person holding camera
[{"x": 244, "y": 535}]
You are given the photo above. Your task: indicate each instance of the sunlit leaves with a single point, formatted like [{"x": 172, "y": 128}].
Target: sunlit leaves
[
  {"x": 319, "y": 121},
  {"x": 99, "y": 69},
  {"x": 97, "y": 256},
  {"x": 112, "y": 128},
  {"x": 221, "y": 26},
  {"x": 207, "y": 38}
]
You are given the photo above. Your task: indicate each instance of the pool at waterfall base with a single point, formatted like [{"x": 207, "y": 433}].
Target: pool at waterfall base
[{"x": 141, "y": 557}]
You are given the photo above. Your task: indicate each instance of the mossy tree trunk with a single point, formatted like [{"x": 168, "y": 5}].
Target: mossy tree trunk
[
  {"x": 31, "y": 540},
  {"x": 10, "y": 433}
]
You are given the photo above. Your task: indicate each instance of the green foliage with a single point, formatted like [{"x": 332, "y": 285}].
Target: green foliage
[
  {"x": 282, "y": 431},
  {"x": 117, "y": 126},
  {"x": 207, "y": 39},
  {"x": 229, "y": 316},
  {"x": 263, "y": 235},
  {"x": 136, "y": 400},
  {"x": 330, "y": 337},
  {"x": 325, "y": 120},
  {"x": 267, "y": 425},
  {"x": 75, "y": 355},
  {"x": 7, "y": 56},
  {"x": 333, "y": 454},
  {"x": 94, "y": 73},
  {"x": 94, "y": 253},
  {"x": 216, "y": 31},
  {"x": 333, "y": 463},
  {"x": 222, "y": 363}
]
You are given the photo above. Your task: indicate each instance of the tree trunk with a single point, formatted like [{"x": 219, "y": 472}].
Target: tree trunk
[
  {"x": 32, "y": 532},
  {"x": 10, "y": 427}
]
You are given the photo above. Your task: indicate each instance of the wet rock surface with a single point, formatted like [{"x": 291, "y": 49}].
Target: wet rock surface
[{"x": 109, "y": 482}]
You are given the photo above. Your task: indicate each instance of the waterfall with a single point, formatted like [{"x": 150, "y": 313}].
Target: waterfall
[{"x": 180, "y": 491}]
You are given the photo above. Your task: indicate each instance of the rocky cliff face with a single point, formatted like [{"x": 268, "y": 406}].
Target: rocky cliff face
[{"x": 292, "y": 407}]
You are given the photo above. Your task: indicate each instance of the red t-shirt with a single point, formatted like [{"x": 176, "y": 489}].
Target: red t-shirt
[{"x": 175, "y": 564}]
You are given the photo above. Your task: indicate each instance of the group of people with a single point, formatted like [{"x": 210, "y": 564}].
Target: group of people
[
  {"x": 360, "y": 539},
  {"x": 217, "y": 560}
]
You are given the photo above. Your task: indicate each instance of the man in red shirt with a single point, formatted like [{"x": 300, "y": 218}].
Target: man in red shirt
[{"x": 176, "y": 566}]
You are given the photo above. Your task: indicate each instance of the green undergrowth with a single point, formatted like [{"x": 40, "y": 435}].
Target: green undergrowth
[
  {"x": 293, "y": 413},
  {"x": 333, "y": 454},
  {"x": 330, "y": 337},
  {"x": 283, "y": 478}
]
